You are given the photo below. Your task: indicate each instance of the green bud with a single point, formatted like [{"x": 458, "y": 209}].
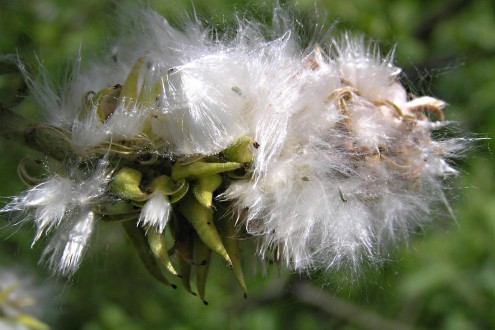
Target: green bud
[
  {"x": 202, "y": 256},
  {"x": 198, "y": 169},
  {"x": 231, "y": 243},
  {"x": 239, "y": 151},
  {"x": 157, "y": 245},
  {"x": 166, "y": 185},
  {"x": 125, "y": 183},
  {"x": 130, "y": 90},
  {"x": 107, "y": 100},
  {"x": 204, "y": 188},
  {"x": 150, "y": 94},
  {"x": 201, "y": 218},
  {"x": 140, "y": 243}
]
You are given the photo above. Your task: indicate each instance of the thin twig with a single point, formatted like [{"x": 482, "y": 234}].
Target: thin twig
[
  {"x": 309, "y": 295},
  {"x": 46, "y": 139}
]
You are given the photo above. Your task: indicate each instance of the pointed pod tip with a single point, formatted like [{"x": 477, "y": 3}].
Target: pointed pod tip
[{"x": 230, "y": 265}]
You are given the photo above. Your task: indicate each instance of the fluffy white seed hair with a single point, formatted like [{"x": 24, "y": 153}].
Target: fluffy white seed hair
[
  {"x": 156, "y": 212},
  {"x": 64, "y": 205}
]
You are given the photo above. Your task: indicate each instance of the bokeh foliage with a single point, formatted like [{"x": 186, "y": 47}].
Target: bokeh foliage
[{"x": 444, "y": 278}]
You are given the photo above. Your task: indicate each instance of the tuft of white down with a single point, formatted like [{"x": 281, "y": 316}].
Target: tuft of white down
[
  {"x": 343, "y": 165},
  {"x": 64, "y": 205},
  {"x": 156, "y": 212}
]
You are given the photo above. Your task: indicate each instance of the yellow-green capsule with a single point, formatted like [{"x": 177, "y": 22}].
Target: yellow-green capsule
[
  {"x": 240, "y": 151},
  {"x": 201, "y": 219},
  {"x": 204, "y": 188},
  {"x": 107, "y": 101},
  {"x": 140, "y": 243},
  {"x": 149, "y": 95},
  {"x": 202, "y": 256},
  {"x": 157, "y": 245},
  {"x": 198, "y": 169},
  {"x": 130, "y": 89},
  {"x": 231, "y": 243},
  {"x": 185, "y": 272},
  {"x": 184, "y": 247},
  {"x": 166, "y": 185},
  {"x": 125, "y": 183}
]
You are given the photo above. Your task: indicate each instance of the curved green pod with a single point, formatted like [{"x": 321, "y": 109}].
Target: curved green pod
[
  {"x": 157, "y": 245},
  {"x": 140, "y": 242},
  {"x": 202, "y": 256},
  {"x": 201, "y": 219},
  {"x": 125, "y": 183},
  {"x": 204, "y": 188},
  {"x": 240, "y": 151},
  {"x": 198, "y": 169}
]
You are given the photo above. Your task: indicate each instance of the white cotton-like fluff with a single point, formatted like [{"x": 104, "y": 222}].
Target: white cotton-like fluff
[
  {"x": 344, "y": 160},
  {"x": 64, "y": 205},
  {"x": 65, "y": 250},
  {"x": 49, "y": 199},
  {"x": 156, "y": 212}
]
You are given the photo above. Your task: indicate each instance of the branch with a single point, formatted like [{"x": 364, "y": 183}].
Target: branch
[
  {"x": 342, "y": 309},
  {"x": 44, "y": 138}
]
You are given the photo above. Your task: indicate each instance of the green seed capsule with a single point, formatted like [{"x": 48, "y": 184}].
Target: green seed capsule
[
  {"x": 107, "y": 100},
  {"x": 125, "y": 183},
  {"x": 201, "y": 219},
  {"x": 166, "y": 185},
  {"x": 130, "y": 90},
  {"x": 184, "y": 246},
  {"x": 198, "y": 169},
  {"x": 185, "y": 272},
  {"x": 140, "y": 242},
  {"x": 204, "y": 188},
  {"x": 231, "y": 244},
  {"x": 157, "y": 245},
  {"x": 202, "y": 256},
  {"x": 240, "y": 151}
]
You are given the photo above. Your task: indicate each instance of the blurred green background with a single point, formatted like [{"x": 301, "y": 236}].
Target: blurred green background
[{"x": 443, "y": 278}]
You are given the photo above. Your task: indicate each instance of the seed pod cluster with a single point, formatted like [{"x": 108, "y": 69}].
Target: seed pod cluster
[
  {"x": 193, "y": 141},
  {"x": 198, "y": 225}
]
